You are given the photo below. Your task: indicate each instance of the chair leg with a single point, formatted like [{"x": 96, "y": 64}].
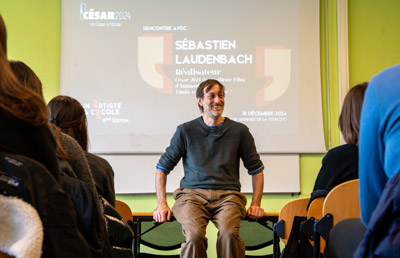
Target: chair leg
[
  {"x": 136, "y": 242},
  {"x": 321, "y": 228},
  {"x": 306, "y": 231},
  {"x": 278, "y": 231},
  {"x": 316, "y": 248},
  {"x": 276, "y": 248}
]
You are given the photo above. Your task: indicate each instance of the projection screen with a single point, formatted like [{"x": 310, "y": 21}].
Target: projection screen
[{"x": 135, "y": 66}]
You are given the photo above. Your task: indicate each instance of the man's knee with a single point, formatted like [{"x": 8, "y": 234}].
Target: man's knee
[
  {"x": 196, "y": 236},
  {"x": 228, "y": 233}
]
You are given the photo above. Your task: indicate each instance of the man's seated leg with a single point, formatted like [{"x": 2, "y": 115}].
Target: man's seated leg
[
  {"x": 190, "y": 211},
  {"x": 227, "y": 212}
]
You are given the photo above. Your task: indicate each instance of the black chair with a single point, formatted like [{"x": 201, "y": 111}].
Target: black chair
[
  {"x": 258, "y": 234},
  {"x": 159, "y": 236}
]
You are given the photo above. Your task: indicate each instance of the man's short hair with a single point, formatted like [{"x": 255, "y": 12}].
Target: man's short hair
[{"x": 207, "y": 85}]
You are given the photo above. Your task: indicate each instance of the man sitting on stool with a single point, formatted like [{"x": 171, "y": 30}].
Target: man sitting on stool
[{"x": 211, "y": 147}]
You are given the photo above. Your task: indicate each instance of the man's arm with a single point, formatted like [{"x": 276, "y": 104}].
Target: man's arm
[
  {"x": 255, "y": 211},
  {"x": 162, "y": 213}
]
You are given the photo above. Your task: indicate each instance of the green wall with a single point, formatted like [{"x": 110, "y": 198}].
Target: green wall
[
  {"x": 33, "y": 29},
  {"x": 374, "y": 35}
]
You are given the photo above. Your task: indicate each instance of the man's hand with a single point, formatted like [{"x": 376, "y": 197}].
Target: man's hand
[
  {"x": 255, "y": 212},
  {"x": 162, "y": 213}
]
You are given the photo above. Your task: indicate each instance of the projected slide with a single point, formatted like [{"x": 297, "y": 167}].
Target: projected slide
[{"x": 135, "y": 66}]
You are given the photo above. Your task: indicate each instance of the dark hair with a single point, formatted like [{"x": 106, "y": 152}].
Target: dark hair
[
  {"x": 69, "y": 115},
  {"x": 349, "y": 119},
  {"x": 26, "y": 76},
  {"x": 20, "y": 102},
  {"x": 207, "y": 85}
]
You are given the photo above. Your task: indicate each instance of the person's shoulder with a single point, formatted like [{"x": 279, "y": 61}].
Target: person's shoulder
[
  {"x": 68, "y": 141},
  {"x": 234, "y": 124},
  {"x": 344, "y": 147},
  {"x": 343, "y": 150},
  {"x": 192, "y": 123},
  {"x": 390, "y": 71},
  {"x": 388, "y": 78},
  {"x": 93, "y": 158},
  {"x": 69, "y": 144}
]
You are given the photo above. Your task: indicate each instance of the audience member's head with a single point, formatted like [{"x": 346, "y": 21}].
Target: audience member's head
[
  {"x": 349, "y": 119},
  {"x": 69, "y": 115},
  {"x": 22, "y": 103},
  {"x": 26, "y": 76}
]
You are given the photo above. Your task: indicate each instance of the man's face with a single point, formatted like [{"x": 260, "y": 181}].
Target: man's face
[{"x": 213, "y": 102}]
